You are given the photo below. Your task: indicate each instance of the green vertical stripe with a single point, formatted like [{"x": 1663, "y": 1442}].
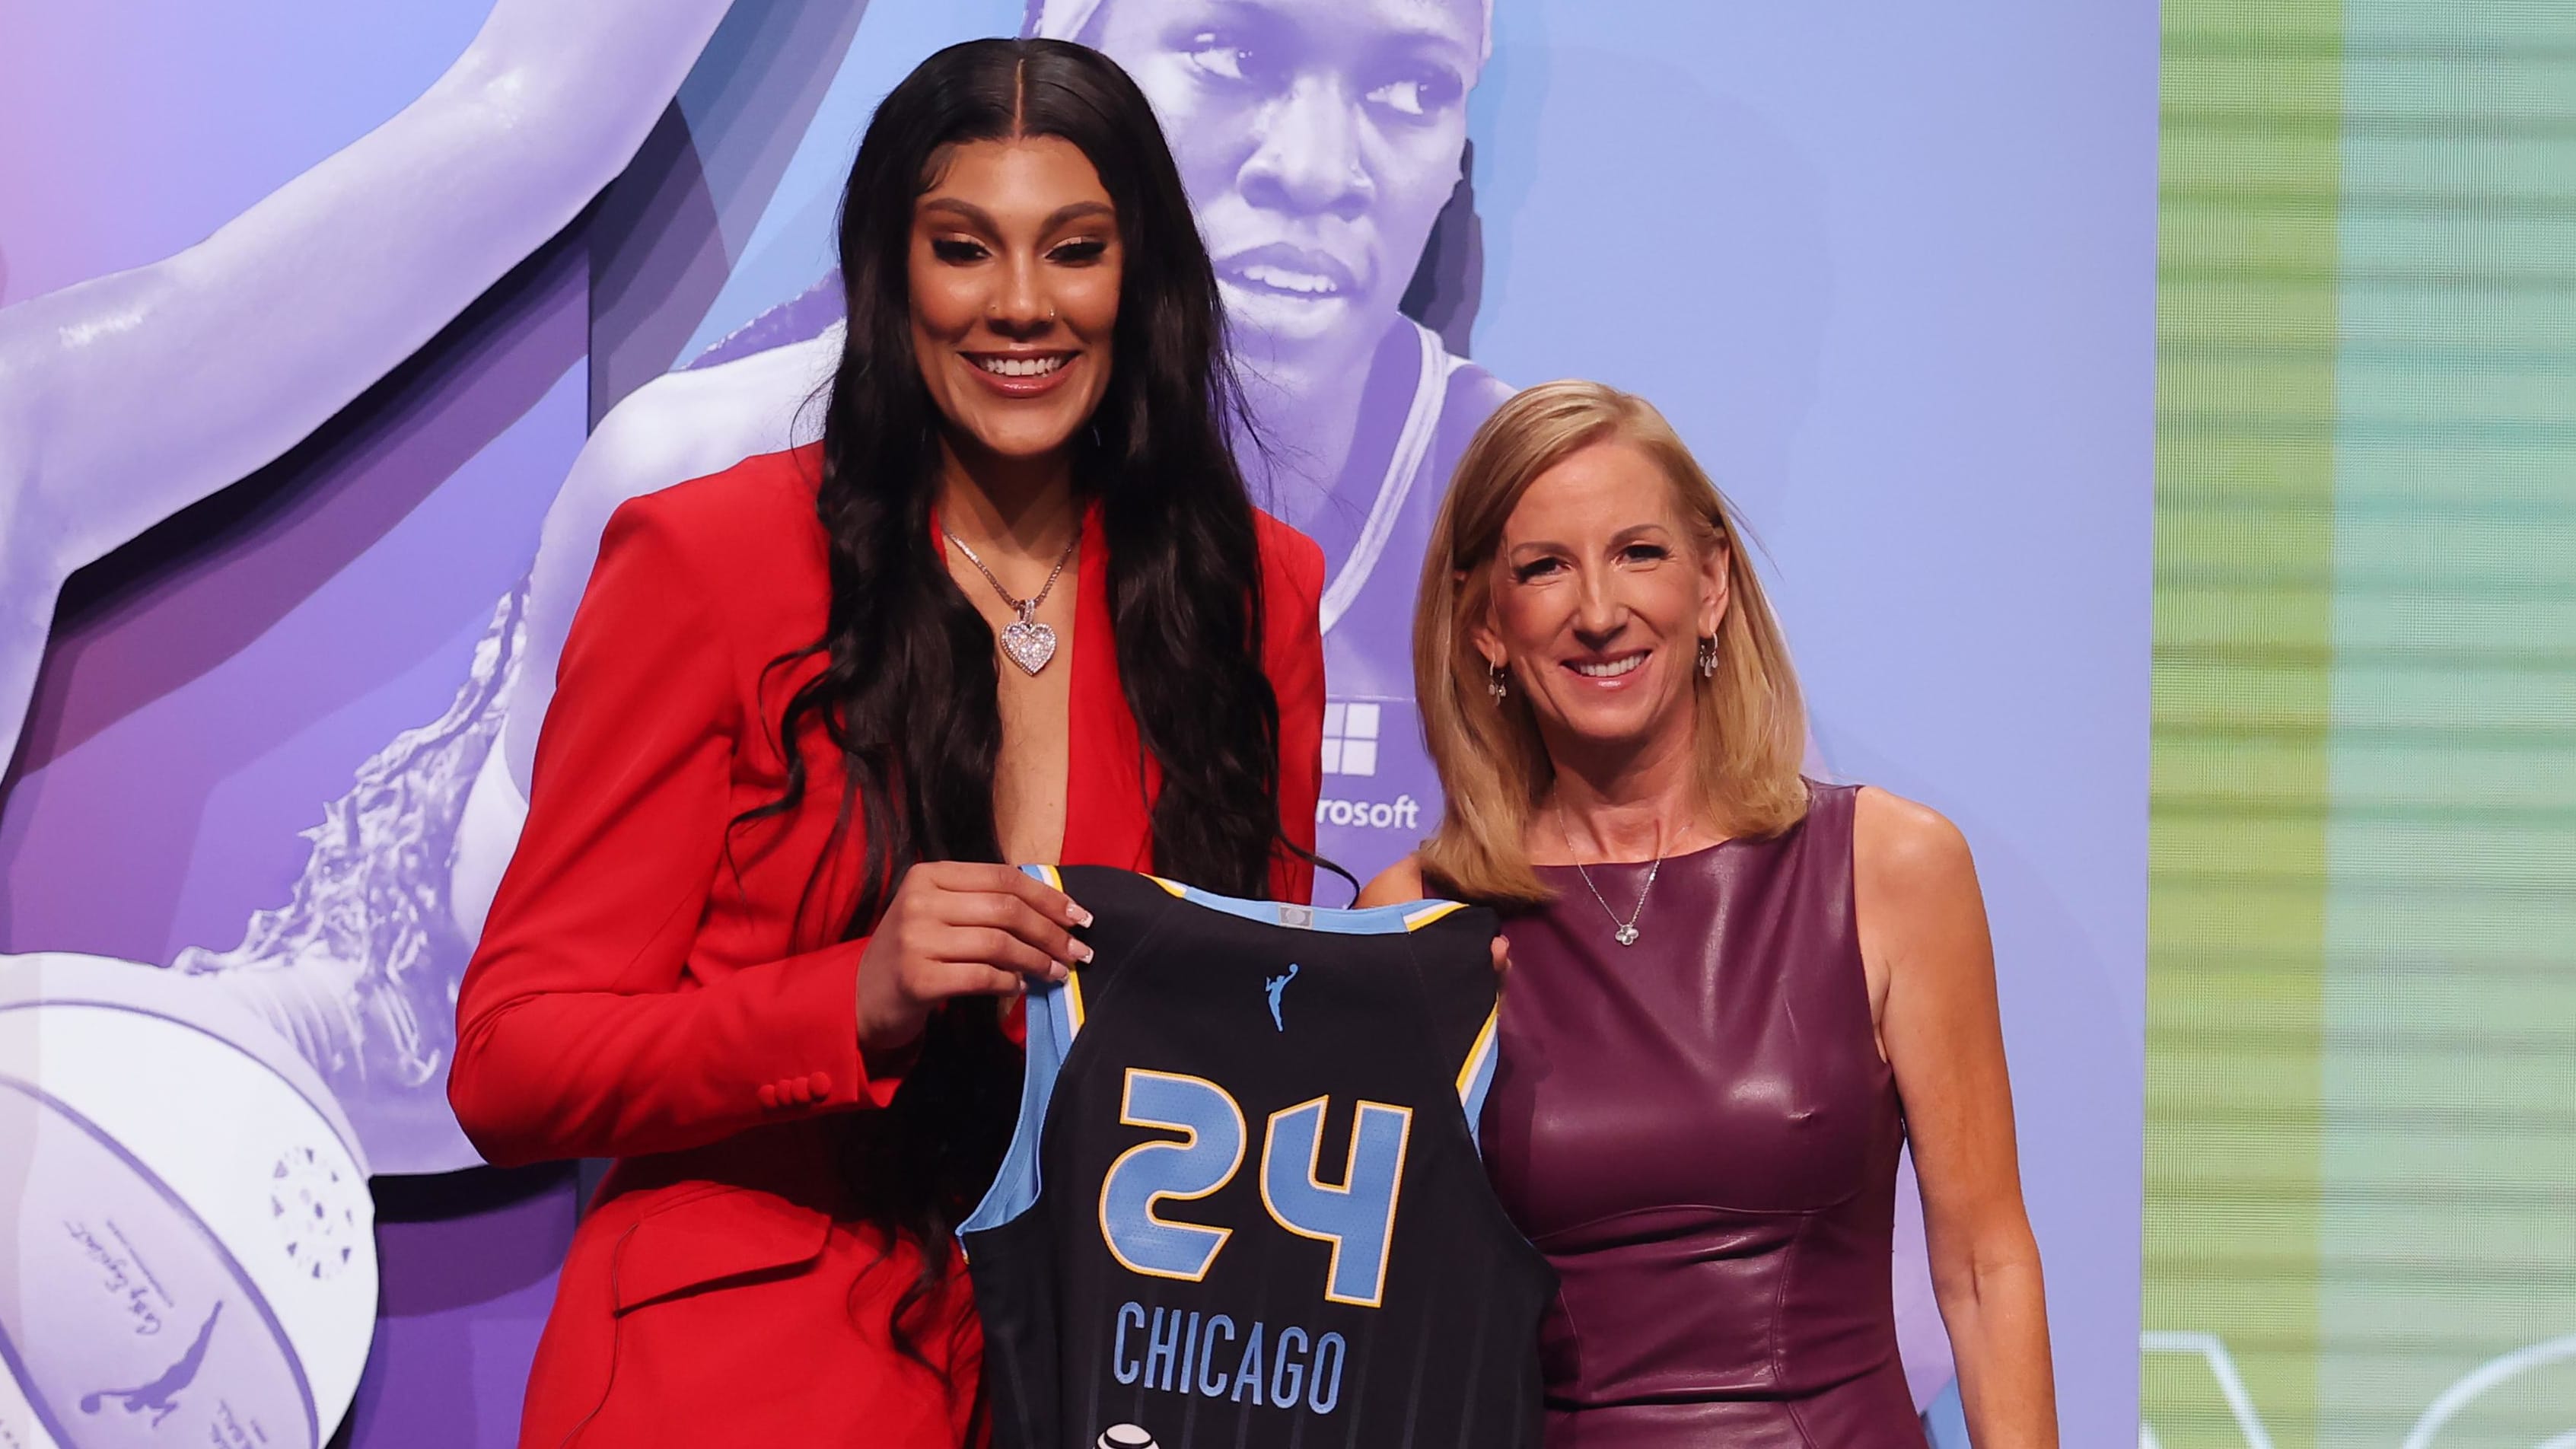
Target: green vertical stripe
[{"x": 2246, "y": 328}]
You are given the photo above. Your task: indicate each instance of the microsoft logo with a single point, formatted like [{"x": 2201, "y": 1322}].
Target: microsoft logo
[{"x": 1350, "y": 739}]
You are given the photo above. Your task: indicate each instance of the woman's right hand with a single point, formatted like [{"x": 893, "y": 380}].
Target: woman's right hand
[{"x": 960, "y": 928}]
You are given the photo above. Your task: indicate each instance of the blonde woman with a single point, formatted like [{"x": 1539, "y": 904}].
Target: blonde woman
[{"x": 1736, "y": 992}]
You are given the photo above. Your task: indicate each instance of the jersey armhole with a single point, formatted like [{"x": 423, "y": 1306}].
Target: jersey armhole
[
  {"x": 1426, "y": 922},
  {"x": 1054, "y": 1017}
]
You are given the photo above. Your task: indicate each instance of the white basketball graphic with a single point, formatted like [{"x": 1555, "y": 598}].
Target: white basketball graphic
[
  {"x": 1124, "y": 1436},
  {"x": 191, "y": 1249}
]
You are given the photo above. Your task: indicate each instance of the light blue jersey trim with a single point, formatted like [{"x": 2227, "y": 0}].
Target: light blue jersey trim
[
  {"x": 1049, "y": 1018},
  {"x": 1479, "y": 1080},
  {"x": 1387, "y": 920},
  {"x": 1015, "y": 1187}
]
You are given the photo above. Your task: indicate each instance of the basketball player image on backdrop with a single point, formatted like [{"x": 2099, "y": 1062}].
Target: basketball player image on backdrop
[
  {"x": 1730, "y": 985},
  {"x": 234, "y": 350},
  {"x": 1015, "y": 605},
  {"x": 1322, "y": 143},
  {"x": 310, "y": 295}
]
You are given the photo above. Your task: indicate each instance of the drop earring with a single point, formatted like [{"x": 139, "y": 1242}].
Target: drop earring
[
  {"x": 1708, "y": 659},
  {"x": 1494, "y": 681}
]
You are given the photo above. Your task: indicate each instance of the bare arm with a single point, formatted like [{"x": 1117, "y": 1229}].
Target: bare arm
[
  {"x": 1923, "y": 925},
  {"x": 679, "y": 426},
  {"x": 239, "y": 346},
  {"x": 126, "y": 398},
  {"x": 1399, "y": 882}
]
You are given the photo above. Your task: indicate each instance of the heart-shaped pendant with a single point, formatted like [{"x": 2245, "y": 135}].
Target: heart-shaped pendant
[{"x": 1030, "y": 645}]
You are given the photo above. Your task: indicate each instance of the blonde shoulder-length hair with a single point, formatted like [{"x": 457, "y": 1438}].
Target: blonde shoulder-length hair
[{"x": 1751, "y": 728}]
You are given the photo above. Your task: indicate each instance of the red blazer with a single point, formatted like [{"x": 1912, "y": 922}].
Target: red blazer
[{"x": 641, "y": 992}]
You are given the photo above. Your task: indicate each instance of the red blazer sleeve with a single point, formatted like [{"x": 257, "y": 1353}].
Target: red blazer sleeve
[
  {"x": 1293, "y": 655},
  {"x": 583, "y": 1029}
]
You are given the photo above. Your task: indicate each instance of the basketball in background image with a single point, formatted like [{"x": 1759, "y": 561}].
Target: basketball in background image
[{"x": 192, "y": 1243}]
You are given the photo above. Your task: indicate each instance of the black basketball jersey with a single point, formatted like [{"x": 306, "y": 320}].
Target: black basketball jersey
[{"x": 1243, "y": 1206}]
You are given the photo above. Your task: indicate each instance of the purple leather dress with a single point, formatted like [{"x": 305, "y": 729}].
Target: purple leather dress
[{"x": 1698, "y": 1132}]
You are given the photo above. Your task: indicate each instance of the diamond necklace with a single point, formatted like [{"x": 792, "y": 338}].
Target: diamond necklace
[
  {"x": 1626, "y": 934},
  {"x": 1028, "y": 643}
]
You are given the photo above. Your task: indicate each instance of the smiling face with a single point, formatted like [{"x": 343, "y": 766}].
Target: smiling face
[
  {"x": 1014, "y": 271},
  {"x": 1601, "y": 590},
  {"x": 1319, "y": 143}
]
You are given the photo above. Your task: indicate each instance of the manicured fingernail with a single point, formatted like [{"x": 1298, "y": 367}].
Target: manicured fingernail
[
  {"x": 1058, "y": 971},
  {"x": 1082, "y": 952},
  {"x": 1077, "y": 914}
]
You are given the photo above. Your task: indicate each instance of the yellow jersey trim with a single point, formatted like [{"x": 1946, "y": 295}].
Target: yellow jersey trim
[
  {"x": 1416, "y": 920},
  {"x": 1478, "y": 1054}
]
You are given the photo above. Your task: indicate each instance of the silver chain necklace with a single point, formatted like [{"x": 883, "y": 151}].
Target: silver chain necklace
[
  {"x": 1626, "y": 934},
  {"x": 1025, "y": 642}
]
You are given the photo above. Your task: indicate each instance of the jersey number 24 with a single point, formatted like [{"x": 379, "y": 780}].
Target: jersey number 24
[{"x": 1357, "y": 1217}]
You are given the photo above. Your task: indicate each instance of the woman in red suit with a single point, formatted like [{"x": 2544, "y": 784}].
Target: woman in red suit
[{"x": 759, "y": 942}]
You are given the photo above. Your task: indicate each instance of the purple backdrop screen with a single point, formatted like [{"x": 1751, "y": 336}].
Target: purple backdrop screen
[{"x": 329, "y": 338}]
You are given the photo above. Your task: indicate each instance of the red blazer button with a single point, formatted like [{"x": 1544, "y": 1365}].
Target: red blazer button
[
  {"x": 820, "y": 1084},
  {"x": 769, "y": 1094}
]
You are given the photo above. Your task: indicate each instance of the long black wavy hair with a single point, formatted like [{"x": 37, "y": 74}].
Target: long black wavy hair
[{"x": 908, "y": 693}]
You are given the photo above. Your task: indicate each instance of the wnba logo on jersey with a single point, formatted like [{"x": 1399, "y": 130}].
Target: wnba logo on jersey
[
  {"x": 1357, "y": 1216},
  {"x": 1275, "y": 987}
]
